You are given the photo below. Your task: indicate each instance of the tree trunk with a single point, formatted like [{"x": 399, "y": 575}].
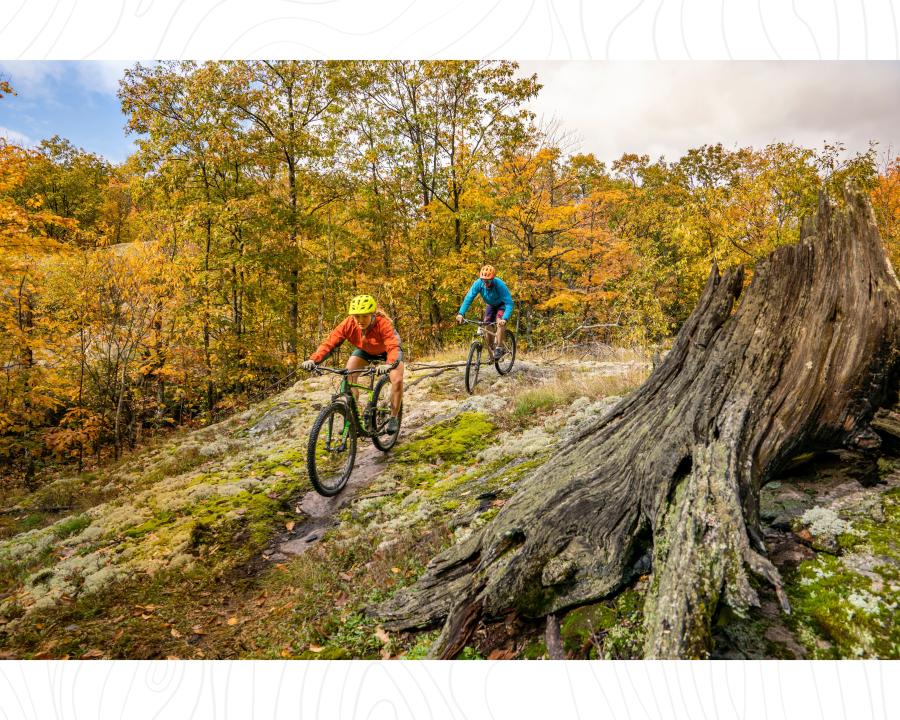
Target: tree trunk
[{"x": 675, "y": 469}]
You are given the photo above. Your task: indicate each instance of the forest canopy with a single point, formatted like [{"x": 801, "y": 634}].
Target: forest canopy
[{"x": 263, "y": 195}]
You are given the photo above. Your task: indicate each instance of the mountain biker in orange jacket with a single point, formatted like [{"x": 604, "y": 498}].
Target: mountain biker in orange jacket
[{"x": 373, "y": 335}]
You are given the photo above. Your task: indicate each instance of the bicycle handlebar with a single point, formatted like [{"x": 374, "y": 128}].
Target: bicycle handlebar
[
  {"x": 319, "y": 369},
  {"x": 466, "y": 321}
]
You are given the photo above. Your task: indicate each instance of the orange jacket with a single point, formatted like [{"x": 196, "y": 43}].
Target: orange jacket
[{"x": 378, "y": 338}]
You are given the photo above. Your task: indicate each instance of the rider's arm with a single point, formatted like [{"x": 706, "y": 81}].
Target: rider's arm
[
  {"x": 506, "y": 296},
  {"x": 332, "y": 342},
  {"x": 470, "y": 296}
]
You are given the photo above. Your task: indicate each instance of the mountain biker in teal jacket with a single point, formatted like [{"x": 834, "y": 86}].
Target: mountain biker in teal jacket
[{"x": 498, "y": 303}]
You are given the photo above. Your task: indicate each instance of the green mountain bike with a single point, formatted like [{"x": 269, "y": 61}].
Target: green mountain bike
[
  {"x": 331, "y": 450},
  {"x": 487, "y": 331}
]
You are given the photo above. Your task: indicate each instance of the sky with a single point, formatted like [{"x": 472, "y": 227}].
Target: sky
[
  {"x": 667, "y": 108},
  {"x": 604, "y": 108},
  {"x": 75, "y": 100}
]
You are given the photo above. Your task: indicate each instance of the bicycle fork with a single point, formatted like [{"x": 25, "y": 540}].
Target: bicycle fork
[{"x": 344, "y": 435}]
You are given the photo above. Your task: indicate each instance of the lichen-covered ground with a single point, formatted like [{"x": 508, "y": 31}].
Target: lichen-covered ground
[{"x": 211, "y": 544}]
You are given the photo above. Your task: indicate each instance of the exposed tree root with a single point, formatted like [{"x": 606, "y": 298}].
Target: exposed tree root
[{"x": 801, "y": 365}]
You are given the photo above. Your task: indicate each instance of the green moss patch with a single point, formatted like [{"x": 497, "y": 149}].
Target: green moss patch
[
  {"x": 71, "y": 526},
  {"x": 611, "y": 629},
  {"x": 454, "y": 440},
  {"x": 845, "y": 607}
]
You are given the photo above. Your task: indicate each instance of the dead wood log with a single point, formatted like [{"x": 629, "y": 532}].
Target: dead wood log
[{"x": 801, "y": 365}]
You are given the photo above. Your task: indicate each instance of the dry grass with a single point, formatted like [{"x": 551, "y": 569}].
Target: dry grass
[
  {"x": 567, "y": 386},
  {"x": 595, "y": 353},
  {"x": 449, "y": 354}
]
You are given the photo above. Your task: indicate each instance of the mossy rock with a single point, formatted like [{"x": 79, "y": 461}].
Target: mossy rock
[
  {"x": 535, "y": 650},
  {"x": 328, "y": 653},
  {"x": 159, "y": 519},
  {"x": 845, "y": 607},
  {"x": 452, "y": 440},
  {"x": 580, "y": 625},
  {"x": 71, "y": 526}
]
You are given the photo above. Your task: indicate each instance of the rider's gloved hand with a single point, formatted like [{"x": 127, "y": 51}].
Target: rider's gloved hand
[
  {"x": 308, "y": 365},
  {"x": 383, "y": 369},
  {"x": 459, "y": 319}
]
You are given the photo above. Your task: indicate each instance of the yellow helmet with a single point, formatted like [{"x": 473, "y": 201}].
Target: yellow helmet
[
  {"x": 487, "y": 272},
  {"x": 362, "y": 305}
]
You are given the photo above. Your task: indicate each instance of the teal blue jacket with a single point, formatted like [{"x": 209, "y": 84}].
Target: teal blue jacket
[{"x": 496, "y": 295}]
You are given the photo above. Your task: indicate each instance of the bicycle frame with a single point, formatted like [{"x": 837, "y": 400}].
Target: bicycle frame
[
  {"x": 345, "y": 393},
  {"x": 483, "y": 330}
]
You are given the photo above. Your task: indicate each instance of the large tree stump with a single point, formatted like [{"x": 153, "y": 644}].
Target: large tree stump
[{"x": 802, "y": 364}]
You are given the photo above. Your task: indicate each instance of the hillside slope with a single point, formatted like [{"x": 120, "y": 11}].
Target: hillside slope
[{"x": 213, "y": 545}]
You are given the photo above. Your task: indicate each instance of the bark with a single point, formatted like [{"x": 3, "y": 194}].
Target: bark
[{"x": 675, "y": 469}]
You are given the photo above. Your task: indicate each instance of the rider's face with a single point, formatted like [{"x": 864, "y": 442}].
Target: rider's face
[
  {"x": 363, "y": 320},
  {"x": 489, "y": 282}
]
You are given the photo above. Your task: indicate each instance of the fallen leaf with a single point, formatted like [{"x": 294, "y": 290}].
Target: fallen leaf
[
  {"x": 316, "y": 648},
  {"x": 290, "y": 525},
  {"x": 499, "y": 502},
  {"x": 172, "y": 657},
  {"x": 92, "y": 653},
  {"x": 345, "y": 576},
  {"x": 145, "y": 616},
  {"x": 174, "y": 633},
  {"x": 382, "y": 635},
  {"x": 198, "y": 630},
  {"x": 385, "y": 654},
  {"x": 395, "y": 570},
  {"x": 232, "y": 621},
  {"x": 501, "y": 654},
  {"x": 119, "y": 633}
]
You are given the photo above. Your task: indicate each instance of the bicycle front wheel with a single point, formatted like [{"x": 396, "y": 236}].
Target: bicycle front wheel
[
  {"x": 505, "y": 364},
  {"x": 473, "y": 365},
  {"x": 382, "y": 439},
  {"x": 331, "y": 451}
]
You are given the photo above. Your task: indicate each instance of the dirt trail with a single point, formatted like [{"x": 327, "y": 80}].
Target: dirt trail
[{"x": 320, "y": 510}]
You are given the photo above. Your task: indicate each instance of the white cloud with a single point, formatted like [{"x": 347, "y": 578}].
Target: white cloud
[
  {"x": 14, "y": 137},
  {"x": 41, "y": 79},
  {"x": 666, "y": 108},
  {"x": 101, "y": 75},
  {"x": 34, "y": 80}
]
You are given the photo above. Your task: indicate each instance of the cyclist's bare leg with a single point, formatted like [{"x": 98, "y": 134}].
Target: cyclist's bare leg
[
  {"x": 355, "y": 362},
  {"x": 396, "y": 389},
  {"x": 498, "y": 338}
]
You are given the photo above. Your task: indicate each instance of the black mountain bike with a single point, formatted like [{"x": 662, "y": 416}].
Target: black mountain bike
[
  {"x": 331, "y": 450},
  {"x": 487, "y": 331}
]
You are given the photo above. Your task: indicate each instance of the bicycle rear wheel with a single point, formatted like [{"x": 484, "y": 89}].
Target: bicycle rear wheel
[
  {"x": 382, "y": 401},
  {"x": 331, "y": 450},
  {"x": 473, "y": 365},
  {"x": 505, "y": 364}
]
